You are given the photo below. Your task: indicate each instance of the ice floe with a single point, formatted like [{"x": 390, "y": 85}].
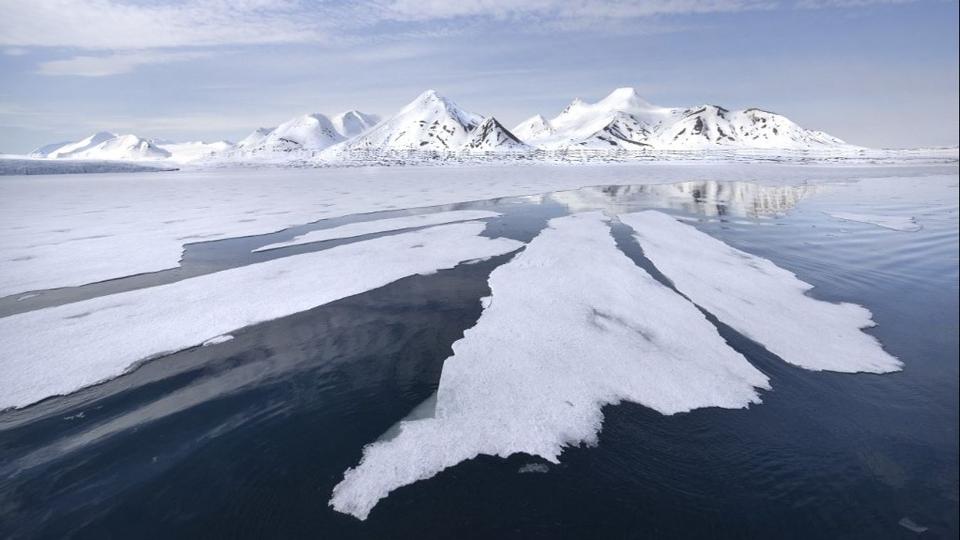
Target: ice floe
[
  {"x": 759, "y": 299},
  {"x": 351, "y": 230},
  {"x": 572, "y": 325},
  {"x": 897, "y": 223},
  {"x": 57, "y": 350}
]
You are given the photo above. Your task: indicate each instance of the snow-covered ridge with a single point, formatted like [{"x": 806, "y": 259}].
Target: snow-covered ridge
[
  {"x": 625, "y": 120},
  {"x": 621, "y": 123}
]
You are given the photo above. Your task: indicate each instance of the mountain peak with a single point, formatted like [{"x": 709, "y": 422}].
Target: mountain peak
[
  {"x": 491, "y": 135},
  {"x": 625, "y": 98},
  {"x": 624, "y": 91}
]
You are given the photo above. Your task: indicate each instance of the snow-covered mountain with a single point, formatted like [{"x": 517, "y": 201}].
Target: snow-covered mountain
[
  {"x": 255, "y": 138},
  {"x": 625, "y": 120},
  {"x": 107, "y": 146},
  {"x": 710, "y": 125},
  {"x": 71, "y": 149},
  {"x": 306, "y": 134},
  {"x": 352, "y": 123},
  {"x": 490, "y": 135},
  {"x": 430, "y": 122},
  {"x": 536, "y": 127},
  {"x": 47, "y": 149},
  {"x": 303, "y": 133}
]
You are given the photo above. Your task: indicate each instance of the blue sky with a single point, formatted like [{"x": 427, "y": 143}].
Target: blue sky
[{"x": 879, "y": 73}]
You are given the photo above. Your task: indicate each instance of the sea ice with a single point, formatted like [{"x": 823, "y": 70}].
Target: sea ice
[
  {"x": 351, "y": 230},
  {"x": 60, "y": 349},
  {"x": 897, "y": 223},
  {"x": 572, "y": 325},
  {"x": 759, "y": 299},
  {"x": 60, "y": 231}
]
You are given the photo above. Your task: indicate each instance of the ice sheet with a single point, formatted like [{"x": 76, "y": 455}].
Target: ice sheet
[
  {"x": 60, "y": 231},
  {"x": 572, "y": 325},
  {"x": 60, "y": 349},
  {"x": 382, "y": 225},
  {"x": 897, "y": 223},
  {"x": 759, "y": 299}
]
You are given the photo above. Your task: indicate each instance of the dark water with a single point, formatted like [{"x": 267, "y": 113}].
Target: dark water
[{"x": 247, "y": 438}]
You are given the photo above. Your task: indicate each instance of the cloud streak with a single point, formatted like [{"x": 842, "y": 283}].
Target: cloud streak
[
  {"x": 114, "y": 64},
  {"x": 116, "y": 25}
]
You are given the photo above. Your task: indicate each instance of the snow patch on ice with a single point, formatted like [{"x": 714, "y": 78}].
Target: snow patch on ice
[
  {"x": 573, "y": 325},
  {"x": 760, "y": 300},
  {"x": 217, "y": 340},
  {"x": 60, "y": 349},
  {"x": 897, "y": 223},
  {"x": 382, "y": 225},
  {"x": 534, "y": 468}
]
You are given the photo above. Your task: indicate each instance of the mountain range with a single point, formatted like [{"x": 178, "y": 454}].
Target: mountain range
[{"x": 621, "y": 122}]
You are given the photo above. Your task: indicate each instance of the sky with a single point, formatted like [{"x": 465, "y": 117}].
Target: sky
[{"x": 879, "y": 73}]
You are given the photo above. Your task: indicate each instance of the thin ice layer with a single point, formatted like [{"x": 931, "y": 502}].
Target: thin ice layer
[
  {"x": 382, "y": 225},
  {"x": 760, "y": 300},
  {"x": 60, "y": 349},
  {"x": 897, "y": 223},
  {"x": 572, "y": 325}
]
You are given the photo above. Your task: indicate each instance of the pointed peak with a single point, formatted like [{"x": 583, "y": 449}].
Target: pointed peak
[
  {"x": 625, "y": 98},
  {"x": 577, "y": 102},
  {"x": 430, "y": 95},
  {"x": 428, "y": 98},
  {"x": 536, "y": 121},
  {"x": 624, "y": 92}
]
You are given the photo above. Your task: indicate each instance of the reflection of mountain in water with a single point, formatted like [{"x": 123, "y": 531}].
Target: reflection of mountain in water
[{"x": 707, "y": 198}]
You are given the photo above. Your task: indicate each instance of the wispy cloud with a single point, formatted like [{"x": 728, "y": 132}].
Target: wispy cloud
[
  {"x": 119, "y": 25},
  {"x": 562, "y": 9},
  {"x": 114, "y": 64}
]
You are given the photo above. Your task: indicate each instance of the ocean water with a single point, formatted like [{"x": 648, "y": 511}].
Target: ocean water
[{"x": 246, "y": 439}]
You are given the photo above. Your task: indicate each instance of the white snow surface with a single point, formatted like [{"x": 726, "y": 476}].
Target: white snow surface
[
  {"x": 59, "y": 231},
  {"x": 57, "y": 350},
  {"x": 897, "y": 223},
  {"x": 255, "y": 138},
  {"x": 535, "y": 127},
  {"x": 187, "y": 152},
  {"x": 573, "y": 325},
  {"x": 351, "y": 230},
  {"x": 760, "y": 300}
]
